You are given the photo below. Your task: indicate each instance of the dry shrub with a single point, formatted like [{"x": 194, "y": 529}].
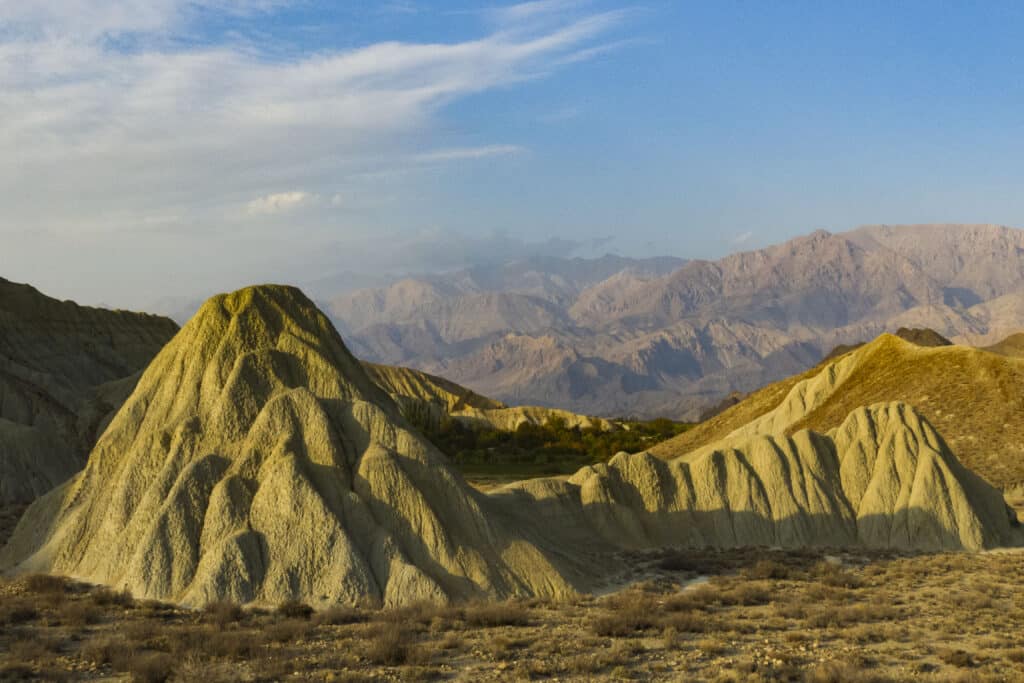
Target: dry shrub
[
  {"x": 689, "y": 622},
  {"x": 712, "y": 646},
  {"x": 46, "y": 584},
  {"x": 14, "y": 611},
  {"x": 288, "y": 630},
  {"x": 223, "y": 612},
  {"x": 497, "y": 614},
  {"x": 80, "y": 613},
  {"x": 746, "y": 595},
  {"x": 154, "y": 667},
  {"x": 105, "y": 597},
  {"x": 116, "y": 652},
  {"x": 834, "y": 575},
  {"x": 293, "y": 609},
  {"x": 217, "y": 643},
  {"x": 843, "y": 672},
  {"x": 623, "y": 623},
  {"x": 769, "y": 569},
  {"x": 957, "y": 657},
  {"x": 340, "y": 615},
  {"x": 845, "y": 615},
  {"x": 388, "y": 644},
  {"x": 1015, "y": 655},
  {"x": 699, "y": 598},
  {"x": 421, "y": 613}
]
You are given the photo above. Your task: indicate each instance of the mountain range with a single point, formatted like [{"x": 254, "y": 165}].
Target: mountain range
[{"x": 666, "y": 337}]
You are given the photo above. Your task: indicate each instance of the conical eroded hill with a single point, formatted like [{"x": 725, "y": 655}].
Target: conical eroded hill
[{"x": 256, "y": 461}]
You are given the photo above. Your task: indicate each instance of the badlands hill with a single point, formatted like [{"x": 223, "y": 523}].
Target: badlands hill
[
  {"x": 63, "y": 369},
  {"x": 426, "y": 399},
  {"x": 1011, "y": 346},
  {"x": 650, "y": 342},
  {"x": 257, "y": 461},
  {"x": 971, "y": 396}
]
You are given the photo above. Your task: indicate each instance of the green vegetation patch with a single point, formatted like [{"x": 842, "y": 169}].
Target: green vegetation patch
[{"x": 549, "y": 449}]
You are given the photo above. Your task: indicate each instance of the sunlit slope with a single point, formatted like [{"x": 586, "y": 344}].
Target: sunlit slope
[
  {"x": 971, "y": 396},
  {"x": 883, "y": 479}
]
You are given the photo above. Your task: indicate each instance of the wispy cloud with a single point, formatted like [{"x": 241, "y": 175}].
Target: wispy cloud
[
  {"x": 279, "y": 202},
  {"x": 157, "y": 127},
  {"x": 118, "y": 111},
  {"x": 464, "y": 153},
  {"x": 742, "y": 239}
]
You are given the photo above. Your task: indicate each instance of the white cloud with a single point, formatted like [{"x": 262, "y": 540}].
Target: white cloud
[
  {"x": 279, "y": 202},
  {"x": 462, "y": 153},
  {"x": 120, "y": 125},
  {"x": 741, "y": 239},
  {"x": 165, "y": 129}
]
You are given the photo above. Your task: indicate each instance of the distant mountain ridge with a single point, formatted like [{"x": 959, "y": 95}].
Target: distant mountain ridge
[{"x": 665, "y": 337}]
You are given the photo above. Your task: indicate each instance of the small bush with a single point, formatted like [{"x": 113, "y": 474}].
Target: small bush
[
  {"x": 293, "y": 609},
  {"x": 500, "y": 614},
  {"x": 387, "y": 645},
  {"x": 340, "y": 616},
  {"x": 113, "y": 651},
  {"x": 288, "y": 631},
  {"x": 712, "y": 646},
  {"x": 156, "y": 667},
  {"x": 80, "y": 613},
  {"x": 834, "y": 575},
  {"x": 14, "y": 612},
  {"x": 46, "y": 584},
  {"x": 768, "y": 569},
  {"x": 105, "y": 597},
  {"x": 223, "y": 612},
  {"x": 960, "y": 658},
  {"x": 623, "y": 623}
]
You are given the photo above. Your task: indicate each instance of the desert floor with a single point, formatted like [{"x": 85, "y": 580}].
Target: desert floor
[{"x": 744, "y": 615}]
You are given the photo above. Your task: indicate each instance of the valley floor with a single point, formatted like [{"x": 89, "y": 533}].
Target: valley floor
[{"x": 744, "y": 615}]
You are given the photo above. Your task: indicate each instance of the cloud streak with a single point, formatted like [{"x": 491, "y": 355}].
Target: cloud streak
[{"x": 165, "y": 129}]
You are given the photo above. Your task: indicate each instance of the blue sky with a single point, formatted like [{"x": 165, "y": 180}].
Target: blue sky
[{"x": 169, "y": 148}]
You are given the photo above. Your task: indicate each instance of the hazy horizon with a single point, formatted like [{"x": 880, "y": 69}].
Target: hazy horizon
[{"x": 173, "y": 148}]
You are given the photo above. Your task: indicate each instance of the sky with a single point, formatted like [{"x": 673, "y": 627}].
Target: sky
[{"x": 152, "y": 149}]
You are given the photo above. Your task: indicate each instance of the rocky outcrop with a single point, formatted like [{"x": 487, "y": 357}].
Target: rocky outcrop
[{"x": 63, "y": 369}]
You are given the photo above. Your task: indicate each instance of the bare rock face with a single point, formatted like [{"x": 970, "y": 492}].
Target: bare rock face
[
  {"x": 63, "y": 369},
  {"x": 256, "y": 461}
]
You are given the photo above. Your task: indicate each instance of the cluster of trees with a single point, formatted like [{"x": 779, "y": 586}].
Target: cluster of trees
[{"x": 553, "y": 447}]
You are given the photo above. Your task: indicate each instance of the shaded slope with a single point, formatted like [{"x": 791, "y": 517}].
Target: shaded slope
[{"x": 63, "y": 369}]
